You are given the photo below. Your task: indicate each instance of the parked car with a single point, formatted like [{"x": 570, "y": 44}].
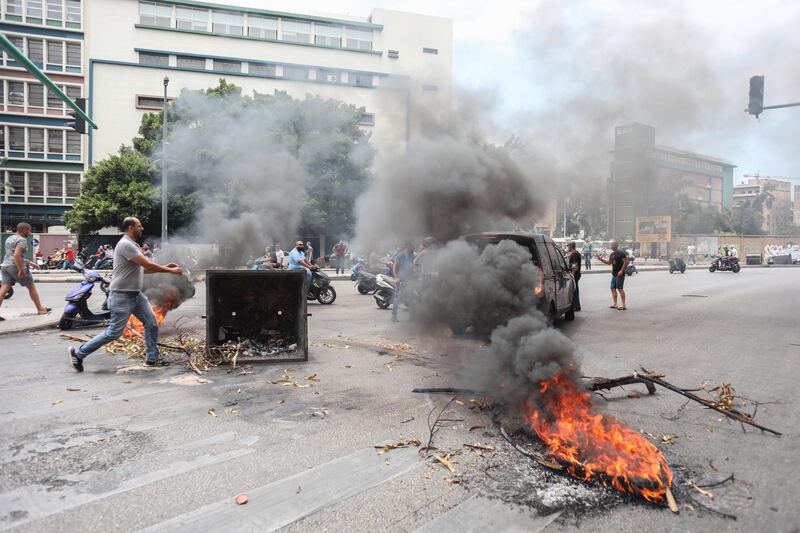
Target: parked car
[{"x": 556, "y": 286}]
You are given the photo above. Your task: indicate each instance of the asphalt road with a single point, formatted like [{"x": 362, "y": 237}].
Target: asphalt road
[{"x": 125, "y": 448}]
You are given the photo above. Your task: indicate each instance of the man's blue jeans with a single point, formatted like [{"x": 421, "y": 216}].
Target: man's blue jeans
[{"x": 122, "y": 306}]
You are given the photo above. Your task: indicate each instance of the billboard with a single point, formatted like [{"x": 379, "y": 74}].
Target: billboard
[{"x": 653, "y": 229}]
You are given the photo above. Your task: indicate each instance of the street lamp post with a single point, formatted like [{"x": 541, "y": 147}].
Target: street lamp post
[{"x": 164, "y": 167}]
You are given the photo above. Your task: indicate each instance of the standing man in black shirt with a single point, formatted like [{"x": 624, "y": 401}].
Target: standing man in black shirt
[
  {"x": 619, "y": 262},
  {"x": 574, "y": 260}
]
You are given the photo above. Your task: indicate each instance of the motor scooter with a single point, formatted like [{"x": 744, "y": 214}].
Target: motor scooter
[
  {"x": 76, "y": 311},
  {"x": 321, "y": 289},
  {"x": 677, "y": 264}
]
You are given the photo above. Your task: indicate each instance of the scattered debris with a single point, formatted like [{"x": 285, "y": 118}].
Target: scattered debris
[
  {"x": 288, "y": 381},
  {"x": 57, "y": 402},
  {"x": 312, "y": 377},
  {"x": 241, "y": 499},
  {"x": 473, "y": 428},
  {"x": 407, "y": 420},
  {"x": 445, "y": 460},
  {"x": 212, "y": 412},
  {"x": 384, "y": 448},
  {"x": 70, "y": 389}
]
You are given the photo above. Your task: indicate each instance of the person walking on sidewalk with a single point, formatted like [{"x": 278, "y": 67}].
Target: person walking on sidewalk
[
  {"x": 15, "y": 267},
  {"x": 587, "y": 254},
  {"x": 619, "y": 262},
  {"x": 125, "y": 297},
  {"x": 574, "y": 260}
]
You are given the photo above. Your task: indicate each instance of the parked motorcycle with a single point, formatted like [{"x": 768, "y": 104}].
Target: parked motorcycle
[
  {"x": 725, "y": 264},
  {"x": 365, "y": 283},
  {"x": 105, "y": 264},
  {"x": 76, "y": 311},
  {"x": 677, "y": 264},
  {"x": 630, "y": 270},
  {"x": 355, "y": 269},
  {"x": 384, "y": 295},
  {"x": 321, "y": 289}
]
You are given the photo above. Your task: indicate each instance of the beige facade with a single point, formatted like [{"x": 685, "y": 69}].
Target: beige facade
[{"x": 776, "y": 208}]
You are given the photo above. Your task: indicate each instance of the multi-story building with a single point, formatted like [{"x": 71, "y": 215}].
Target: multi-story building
[
  {"x": 645, "y": 179},
  {"x": 395, "y": 65},
  {"x": 796, "y": 206},
  {"x": 42, "y": 158},
  {"x": 776, "y": 201}
]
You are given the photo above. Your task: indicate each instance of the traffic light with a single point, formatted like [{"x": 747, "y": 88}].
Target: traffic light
[
  {"x": 756, "y": 105},
  {"x": 78, "y": 124}
]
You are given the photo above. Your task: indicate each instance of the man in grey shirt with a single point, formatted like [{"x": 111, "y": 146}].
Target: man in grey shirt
[
  {"x": 126, "y": 297},
  {"x": 14, "y": 268}
]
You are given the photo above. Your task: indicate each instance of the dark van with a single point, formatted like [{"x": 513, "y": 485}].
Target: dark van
[{"x": 556, "y": 285}]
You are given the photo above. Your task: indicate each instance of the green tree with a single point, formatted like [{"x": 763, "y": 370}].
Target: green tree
[{"x": 113, "y": 188}]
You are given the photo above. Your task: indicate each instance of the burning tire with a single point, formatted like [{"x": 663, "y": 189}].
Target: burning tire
[{"x": 327, "y": 295}]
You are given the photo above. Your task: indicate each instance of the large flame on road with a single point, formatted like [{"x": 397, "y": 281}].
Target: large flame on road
[
  {"x": 595, "y": 446},
  {"x": 135, "y": 327}
]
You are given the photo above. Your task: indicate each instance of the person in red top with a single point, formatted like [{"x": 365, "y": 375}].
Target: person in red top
[{"x": 69, "y": 256}]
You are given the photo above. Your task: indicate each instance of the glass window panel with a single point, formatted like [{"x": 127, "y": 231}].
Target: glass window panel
[
  {"x": 36, "y": 94},
  {"x": 296, "y": 31},
  {"x": 73, "y": 142},
  {"x": 36, "y": 51},
  {"x": 262, "y": 69},
  {"x": 17, "y": 182},
  {"x": 74, "y": 54},
  {"x": 36, "y": 139},
  {"x": 155, "y": 14},
  {"x": 73, "y": 10},
  {"x": 227, "y": 66},
  {"x": 13, "y": 7},
  {"x": 34, "y": 8},
  {"x": 359, "y": 39},
  {"x": 35, "y": 184},
  {"x": 16, "y": 93},
  {"x": 53, "y": 100},
  {"x": 326, "y": 35},
  {"x": 192, "y": 62},
  {"x": 330, "y": 76},
  {"x": 55, "y": 185},
  {"x": 55, "y": 52},
  {"x": 262, "y": 27},
  {"x": 227, "y": 23},
  {"x": 19, "y": 43},
  {"x": 295, "y": 73},
  {"x": 55, "y": 9},
  {"x": 153, "y": 59},
  {"x": 73, "y": 185},
  {"x": 362, "y": 80},
  {"x": 152, "y": 102},
  {"x": 187, "y": 18},
  {"x": 55, "y": 141},
  {"x": 73, "y": 92},
  {"x": 2, "y": 144},
  {"x": 16, "y": 138}
]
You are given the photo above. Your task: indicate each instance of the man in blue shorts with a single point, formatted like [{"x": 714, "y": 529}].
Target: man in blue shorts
[{"x": 619, "y": 262}]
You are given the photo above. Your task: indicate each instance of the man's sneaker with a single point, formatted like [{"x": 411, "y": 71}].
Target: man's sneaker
[
  {"x": 160, "y": 362},
  {"x": 77, "y": 362}
]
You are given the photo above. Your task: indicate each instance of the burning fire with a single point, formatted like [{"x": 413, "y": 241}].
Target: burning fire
[
  {"x": 135, "y": 325},
  {"x": 592, "y": 445}
]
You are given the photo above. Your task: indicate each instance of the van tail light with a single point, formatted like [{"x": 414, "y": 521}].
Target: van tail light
[{"x": 538, "y": 290}]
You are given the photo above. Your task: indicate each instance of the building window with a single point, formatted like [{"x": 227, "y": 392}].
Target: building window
[
  {"x": 227, "y": 66},
  {"x": 326, "y": 35},
  {"x": 360, "y": 79},
  {"x": 36, "y": 52},
  {"x": 330, "y": 76},
  {"x": 16, "y": 93},
  {"x": 187, "y": 18},
  {"x": 73, "y": 142},
  {"x": 73, "y": 57},
  {"x": 36, "y": 94},
  {"x": 367, "y": 119},
  {"x": 295, "y": 31},
  {"x": 359, "y": 39},
  {"x": 72, "y": 91},
  {"x": 295, "y": 73},
  {"x": 146, "y": 58},
  {"x": 55, "y": 10},
  {"x": 55, "y": 186},
  {"x": 2, "y": 146},
  {"x": 227, "y": 23},
  {"x": 17, "y": 182},
  {"x": 192, "y": 62},
  {"x": 73, "y": 185},
  {"x": 155, "y": 14},
  {"x": 16, "y": 139},
  {"x": 54, "y": 100},
  {"x": 55, "y": 55},
  {"x": 74, "y": 11},
  {"x": 155, "y": 103},
  {"x": 431, "y": 88},
  {"x": 394, "y": 54},
  {"x": 55, "y": 142},
  {"x": 434, "y": 51},
  {"x": 262, "y": 27},
  {"x": 36, "y": 140},
  {"x": 34, "y": 9},
  {"x": 36, "y": 184},
  {"x": 14, "y": 7},
  {"x": 20, "y": 44},
  {"x": 262, "y": 69}
]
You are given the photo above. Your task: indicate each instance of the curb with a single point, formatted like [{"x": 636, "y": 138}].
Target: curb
[{"x": 25, "y": 329}]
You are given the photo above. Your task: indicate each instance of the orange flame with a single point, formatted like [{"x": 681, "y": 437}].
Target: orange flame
[
  {"x": 593, "y": 445},
  {"x": 135, "y": 325}
]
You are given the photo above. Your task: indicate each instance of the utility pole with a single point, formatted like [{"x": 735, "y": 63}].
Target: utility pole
[{"x": 164, "y": 167}]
